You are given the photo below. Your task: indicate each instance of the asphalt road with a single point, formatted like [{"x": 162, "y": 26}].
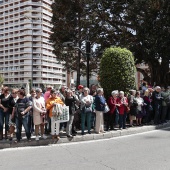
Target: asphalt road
[{"x": 146, "y": 151}]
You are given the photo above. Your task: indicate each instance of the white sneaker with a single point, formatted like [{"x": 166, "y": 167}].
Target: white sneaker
[
  {"x": 37, "y": 138},
  {"x": 44, "y": 136}
]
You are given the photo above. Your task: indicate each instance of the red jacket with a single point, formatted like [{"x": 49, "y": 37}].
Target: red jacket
[
  {"x": 122, "y": 108},
  {"x": 112, "y": 104}
]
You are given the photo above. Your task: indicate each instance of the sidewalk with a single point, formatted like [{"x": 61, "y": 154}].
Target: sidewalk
[{"x": 87, "y": 137}]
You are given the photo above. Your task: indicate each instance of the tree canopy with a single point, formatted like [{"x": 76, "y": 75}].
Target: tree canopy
[{"x": 142, "y": 26}]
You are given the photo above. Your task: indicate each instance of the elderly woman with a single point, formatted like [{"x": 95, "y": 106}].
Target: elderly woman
[
  {"x": 4, "y": 111},
  {"x": 133, "y": 107},
  {"x": 123, "y": 103},
  {"x": 70, "y": 100},
  {"x": 100, "y": 103},
  {"x": 12, "y": 103},
  {"x": 50, "y": 103},
  {"x": 22, "y": 108},
  {"x": 113, "y": 114},
  {"x": 86, "y": 110},
  {"x": 148, "y": 106},
  {"x": 38, "y": 113},
  {"x": 140, "y": 103}
]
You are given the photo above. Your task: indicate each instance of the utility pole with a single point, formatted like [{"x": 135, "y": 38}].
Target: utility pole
[{"x": 88, "y": 50}]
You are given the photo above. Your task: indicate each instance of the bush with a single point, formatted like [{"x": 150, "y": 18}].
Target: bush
[{"x": 117, "y": 70}]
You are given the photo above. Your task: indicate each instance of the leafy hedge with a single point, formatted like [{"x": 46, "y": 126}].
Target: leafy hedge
[{"x": 117, "y": 70}]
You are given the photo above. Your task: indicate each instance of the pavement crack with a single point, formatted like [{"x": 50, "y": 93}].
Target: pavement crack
[{"x": 105, "y": 165}]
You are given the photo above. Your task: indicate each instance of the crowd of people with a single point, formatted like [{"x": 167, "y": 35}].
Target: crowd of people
[{"x": 88, "y": 110}]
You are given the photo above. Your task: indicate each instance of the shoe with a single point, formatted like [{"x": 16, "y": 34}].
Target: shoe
[
  {"x": 69, "y": 136},
  {"x": 82, "y": 133},
  {"x": 73, "y": 134},
  {"x": 57, "y": 137},
  {"x": 44, "y": 136},
  {"x": 37, "y": 138},
  {"x": 89, "y": 132},
  {"x": 29, "y": 140},
  {"x": 17, "y": 141}
]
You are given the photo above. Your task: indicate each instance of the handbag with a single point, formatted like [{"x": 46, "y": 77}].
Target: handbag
[
  {"x": 106, "y": 109},
  {"x": 87, "y": 109}
]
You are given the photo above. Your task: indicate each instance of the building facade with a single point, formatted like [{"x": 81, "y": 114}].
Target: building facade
[{"x": 25, "y": 50}]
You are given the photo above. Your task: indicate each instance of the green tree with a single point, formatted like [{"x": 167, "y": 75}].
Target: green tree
[
  {"x": 117, "y": 70},
  {"x": 143, "y": 26},
  {"x": 69, "y": 25}
]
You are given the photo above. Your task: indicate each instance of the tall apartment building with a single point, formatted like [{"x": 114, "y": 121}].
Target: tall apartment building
[{"x": 24, "y": 44}]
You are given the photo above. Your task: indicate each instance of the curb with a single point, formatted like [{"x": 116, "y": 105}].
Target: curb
[{"x": 79, "y": 138}]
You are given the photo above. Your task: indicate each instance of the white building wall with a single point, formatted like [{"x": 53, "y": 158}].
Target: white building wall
[{"x": 25, "y": 24}]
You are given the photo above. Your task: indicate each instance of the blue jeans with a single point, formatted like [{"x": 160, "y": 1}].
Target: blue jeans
[
  {"x": 85, "y": 117},
  {"x": 122, "y": 121},
  {"x": 4, "y": 117},
  {"x": 25, "y": 122}
]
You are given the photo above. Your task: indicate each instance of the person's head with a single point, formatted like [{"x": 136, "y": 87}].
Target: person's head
[
  {"x": 114, "y": 93},
  {"x": 121, "y": 94},
  {"x": 100, "y": 91},
  {"x": 144, "y": 84},
  {"x": 53, "y": 93},
  {"x": 73, "y": 90},
  {"x": 133, "y": 92},
  {"x": 33, "y": 93},
  {"x": 93, "y": 92},
  {"x": 158, "y": 89},
  {"x": 146, "y": 93},
  {"x": 21, "y": 93},
  {"x": 14, "y": 93},
  {"x": 80, "y": 88},
  {"x": 6, "y": 90},
  {"x": 86, "y": 91},
  {"x": 138, "y": 94},
  {"x": 69, "y": 93},
  {"x": 49, "y": 88},
  {"x": 93, "y": 87},
  {"x": 38, "y": 92}
]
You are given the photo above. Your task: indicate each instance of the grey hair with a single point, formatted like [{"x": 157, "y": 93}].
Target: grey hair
[
  {"x": 87, "y": 89},
  {"x": 38, "y": 90},
  {"x": 99, "y": 90},
  {"x": 121, "y": 92}
]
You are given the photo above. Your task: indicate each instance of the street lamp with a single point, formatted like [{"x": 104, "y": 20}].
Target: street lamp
[{"x": 87, "y": 54}]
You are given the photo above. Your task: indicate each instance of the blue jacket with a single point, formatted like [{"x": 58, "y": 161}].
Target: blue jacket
[{"x": 100, "y": 103}]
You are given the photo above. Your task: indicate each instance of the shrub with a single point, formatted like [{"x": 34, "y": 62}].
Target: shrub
[{"x": 117, "y": 70}]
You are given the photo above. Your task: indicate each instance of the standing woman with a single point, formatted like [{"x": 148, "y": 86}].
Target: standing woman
[
  {"x": 4, "y": 112},
  {"x": 12, "y": 103},
  {"x": 140, "y": 103},
  {"x": 113, "y": 114},
  {"x": 70, "y": 101},
  {"x": 133, "y": 107},
  {"x": 38, "y": 112},
  {"x": 22, "y": 117},
  {"x": 50, "y": 103},
  {"x": 123, "y": 103},
  {"x": 100, "y": 103},
  {"x": 86, "y": 110}
]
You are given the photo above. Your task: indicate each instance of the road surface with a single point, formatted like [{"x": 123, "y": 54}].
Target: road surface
[{"x": 146, "y": 151}]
